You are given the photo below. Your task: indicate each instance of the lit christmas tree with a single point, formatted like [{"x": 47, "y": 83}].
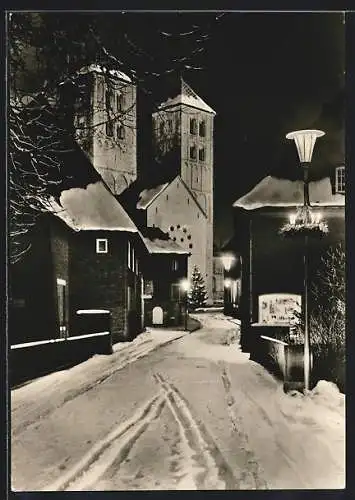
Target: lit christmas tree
[{"x": 197, "y": 295}]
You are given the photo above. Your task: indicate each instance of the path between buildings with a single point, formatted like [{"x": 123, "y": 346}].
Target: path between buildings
[{"x": 194, "y": 413}]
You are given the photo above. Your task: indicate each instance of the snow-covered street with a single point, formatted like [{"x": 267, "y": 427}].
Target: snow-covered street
[{"x": 175, "y": 411}]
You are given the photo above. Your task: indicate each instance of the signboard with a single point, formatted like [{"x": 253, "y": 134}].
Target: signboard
[{"x": 279, "y": 308}]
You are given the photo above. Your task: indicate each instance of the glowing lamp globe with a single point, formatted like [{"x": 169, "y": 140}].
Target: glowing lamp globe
[
  {"x": 305, "y": 141},
  {"x": 227, "y": 261},
  {"x": 227, "y": 282}
]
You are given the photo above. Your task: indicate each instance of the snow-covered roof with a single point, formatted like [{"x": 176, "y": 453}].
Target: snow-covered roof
[
  {"x": 101, "y": 69},
  {"x": 92, "y": 208},
  {"x": 275, "y": 192},
  {"x": 188, "y": 97},
  {"x": 158, "y": 245},
  {"x": 148, "y": 195}
]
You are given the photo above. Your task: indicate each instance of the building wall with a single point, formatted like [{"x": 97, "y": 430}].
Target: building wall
[
  {"x": 101, "y": 280},
  {"x": 196, "y": 173},
  {"x": 60, "y": 235},
  {"x": 163, "y": 271},
  {"x": 115, "y": 158},
  {"x": 32, "y": 299},
  {"x": 174, "y": 211},
  {"x": 273, "y": 264}
]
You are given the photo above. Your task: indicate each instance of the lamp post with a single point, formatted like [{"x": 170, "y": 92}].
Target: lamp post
[
  {"x": 304, "y": 222},
  {"x": 228, "y": 260},
  {"x": 185, "y": 287}
]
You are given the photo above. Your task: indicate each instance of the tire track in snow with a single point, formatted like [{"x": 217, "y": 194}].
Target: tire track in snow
[
  {"x": 39, "y": 411},
  {"x": 210, "y": 471},
  {"x": 114, "y": 448}
]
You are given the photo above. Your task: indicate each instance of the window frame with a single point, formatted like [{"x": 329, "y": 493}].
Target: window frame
[
  {"x": 100, "y": 241},
  {"x": 193, "y": 152},
  {"x": 202, "y": 128},
  {"x": 193, "y": 126},
  {"x": 340, "y": 179},
  {"x": 120, "y": 132},
  {"x": 201, "y": 157}
]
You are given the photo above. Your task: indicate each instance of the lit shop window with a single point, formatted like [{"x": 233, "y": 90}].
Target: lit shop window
[{"x": 101, "y": 245}]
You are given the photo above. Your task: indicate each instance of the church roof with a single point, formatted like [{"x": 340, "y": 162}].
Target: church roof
[
  {"x": 99, "y": 68},
  {"x": 184, "y": 94},
  {"x": 147, "y": 196},
  {"x": 159, "y": 242},
  {"x": 141, "y": 193},
  {"x": 276, "y": 192}
]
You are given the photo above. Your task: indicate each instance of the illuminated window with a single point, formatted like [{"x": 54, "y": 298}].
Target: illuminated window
[
  {"x": 62, "y": 306},
  {"x": 129, "y": 255},
  {"x": 340, "y": 180},
  {"x": 101, "y": 245},
  {"x": 174, "y": 265},
  {"x": 133, "y": 260}
]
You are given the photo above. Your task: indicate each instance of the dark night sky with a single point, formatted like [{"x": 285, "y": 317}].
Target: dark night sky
[{"x": 265, "y": 74}]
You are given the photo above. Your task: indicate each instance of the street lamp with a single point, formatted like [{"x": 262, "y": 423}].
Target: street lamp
[
  {"x": 306, "y": 223},
  {"x": 185, "y": 287},
  {"x": 228, "y": 260}
]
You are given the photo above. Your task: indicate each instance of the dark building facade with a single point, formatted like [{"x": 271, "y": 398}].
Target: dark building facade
[
  {"x": 165, "y": 266},
  {"x": 86, "y": 255},
  {"x": 271, "y": 265}
]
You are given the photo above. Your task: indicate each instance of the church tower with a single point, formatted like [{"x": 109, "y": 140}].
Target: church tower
[
  {"x": 183, "y": 140},
  {"x": 106, "y": 124}
]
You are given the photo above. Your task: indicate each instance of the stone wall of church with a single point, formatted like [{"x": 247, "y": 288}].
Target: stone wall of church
[
  {"x": 198, "y": 172},
  {"x": 114, "y": 146},
  {"x": 174, "y": 211}
]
